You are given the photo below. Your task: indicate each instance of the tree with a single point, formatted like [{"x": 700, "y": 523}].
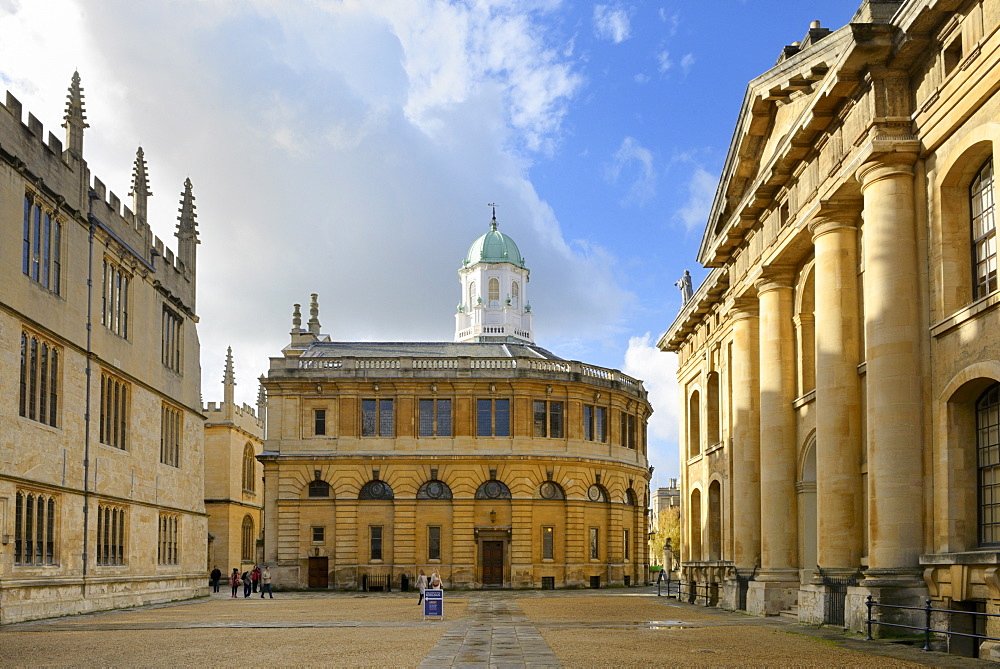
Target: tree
[{"x": 667, "y": 526}]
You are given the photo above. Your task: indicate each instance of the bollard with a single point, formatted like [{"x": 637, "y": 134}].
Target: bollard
[
  {"x": 868, "y": 622},
  {"x": 927, "y": 624}
]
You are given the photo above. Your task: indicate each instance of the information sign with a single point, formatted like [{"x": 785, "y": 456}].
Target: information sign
[{"x": 434, "y": 603}]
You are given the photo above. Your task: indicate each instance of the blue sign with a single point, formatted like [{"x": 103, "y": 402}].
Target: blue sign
[{"x": 434, "y": 602}]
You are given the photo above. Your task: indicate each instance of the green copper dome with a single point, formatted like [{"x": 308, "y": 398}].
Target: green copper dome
[{"x": 493, "y": 247}]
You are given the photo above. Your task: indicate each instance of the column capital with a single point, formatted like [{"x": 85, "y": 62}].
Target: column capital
[
  {"x": 744, "y": 307},
  {"x": 774, "y": 278},
  {"x": 835, "y": 215},
  {"x": 886, "y": 166}
]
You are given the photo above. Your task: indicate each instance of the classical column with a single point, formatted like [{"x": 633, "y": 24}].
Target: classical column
[
  {"x": 745, "y": 451},
  {"x": 893, "y": 370},
  {"x": 838, "y": 394},
  {"x": 778, "y": 577}
]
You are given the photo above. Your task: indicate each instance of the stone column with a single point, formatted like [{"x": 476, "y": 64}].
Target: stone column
[
  {"x": 893, "y": 372},
  {"x": 745, "y": 452},
  {"x": 838, "y": 395},
  {"x": 775, "y": 588}
]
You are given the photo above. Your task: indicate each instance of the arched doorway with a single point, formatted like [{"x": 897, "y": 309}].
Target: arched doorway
[{"x": 806, "y": 488}]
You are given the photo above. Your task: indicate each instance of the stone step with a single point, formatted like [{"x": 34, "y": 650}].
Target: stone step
[{"x": 792, "y": 613}]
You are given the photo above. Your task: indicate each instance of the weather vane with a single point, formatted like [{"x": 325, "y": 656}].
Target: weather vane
[{"x": 494, "y": 205}]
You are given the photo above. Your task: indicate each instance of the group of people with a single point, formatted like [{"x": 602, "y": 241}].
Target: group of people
[
  {"x": 252, "y": 580},
  {"x": 423, "y": 583}
]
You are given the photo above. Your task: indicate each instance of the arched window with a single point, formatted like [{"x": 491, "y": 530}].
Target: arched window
[
  {"x": 629, "y": 497},
  {"x": 249, "y": 479},
  {"x": 694, "y": 543},
  {"x": 434, "y": 490},
  {"x": 494, "y": 292},
  {"x": 713, "y": 409},
  {"x": 319, "y": 488},
  {"x": 472, "y": 294},
  {"x": 551, "y": 490},
  {"x": 247, "y": 540},
  {"x": 984, "y": 231},
  {"x": 493, "y": 489},
  {"x": 376, "y": 490},
  {"x": 988, "y": 449},
  {"x": 715, "y": 521},
  {"x": 515, "y": 294},
  {"x": 694, "y": 424},
  {"x": 597, "y": 493}
]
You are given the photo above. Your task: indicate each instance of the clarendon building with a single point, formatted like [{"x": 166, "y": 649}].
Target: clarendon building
[
  {"x": 101, "y": 471},
  {"x": 839, "y": 365},
  {"x": 488, "y": 460}
]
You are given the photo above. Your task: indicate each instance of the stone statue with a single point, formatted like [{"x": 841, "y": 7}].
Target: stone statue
[{"x": 684, "y": 284}]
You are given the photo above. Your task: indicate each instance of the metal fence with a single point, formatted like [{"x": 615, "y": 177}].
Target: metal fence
[
  {"x": 927, "y": 630},
  {"x": 836, "y": 598}
]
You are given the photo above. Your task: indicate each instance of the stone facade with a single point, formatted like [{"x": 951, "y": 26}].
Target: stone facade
[
  {"x": 835, "y": 363},
  {"x": 101, "y": 471},
  {"x": 234, "y": 479}
]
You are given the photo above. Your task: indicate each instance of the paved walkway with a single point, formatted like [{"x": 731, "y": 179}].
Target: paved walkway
[{"x": 500, "y": 636}]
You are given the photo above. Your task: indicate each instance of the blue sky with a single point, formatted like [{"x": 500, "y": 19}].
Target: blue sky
[{"x": 350, "y": 148}]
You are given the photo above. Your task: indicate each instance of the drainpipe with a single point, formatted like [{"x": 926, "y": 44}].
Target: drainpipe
[{"x": 91, "y": 219}]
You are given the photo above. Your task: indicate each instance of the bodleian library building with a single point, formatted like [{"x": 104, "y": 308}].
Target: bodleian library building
[
  {"x": 488, "y": 460},
  {"x": 839, "y": 364}
]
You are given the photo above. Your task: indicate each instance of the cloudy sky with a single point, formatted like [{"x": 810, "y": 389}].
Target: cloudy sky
[{"x": 349, "y": 148}]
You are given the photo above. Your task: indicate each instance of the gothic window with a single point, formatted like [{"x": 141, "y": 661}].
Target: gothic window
[
  {"x": 595, "y": 423},
  {"x": 515, "y": 294},
  {"x": 42, "y": 246},
  {"x": 38, "y": 397},
  {"x": 551, "y": 490},
  {"x": 548, "y": 419},
  {"x": 493, "y": 418},
  {"x": 984, "y": 231},
  {"x": 34, "y": 528},
  {"x": 171, "y": 340},
  {"x": 170, "y": 435},
  {"x": 435, "y": 418},
  {"x": 377, "y": 418},
  {"x": 376, "y": 490},
  {"x": 114, "y": 410},
  {"x": 114, "y": 299},
  {"x": 988, "y": 449},
  {"x": 166, "y": 550},
  {"x": 247, "y": 540},
  {"x": 249, "y": 478},
  {"x": 494, "y": 292},
  {"x": 434, "y": 490},
  {"x": 493, "y": 489},
  {"x": 111, "y": 523}
]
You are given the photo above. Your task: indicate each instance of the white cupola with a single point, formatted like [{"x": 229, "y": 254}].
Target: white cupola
[{"x": 494, "y": 305}]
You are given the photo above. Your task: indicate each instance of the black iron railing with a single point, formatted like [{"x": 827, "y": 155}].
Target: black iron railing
[{"x": 927, "y": 630}]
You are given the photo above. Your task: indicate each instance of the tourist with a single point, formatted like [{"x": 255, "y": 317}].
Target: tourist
[
  {"x": 234, "y": 580},
  {"x": 435, "y": 581},
  {"x": 247, "y": 584},
  {"x": 421, "y": 585},
  {"x": 265, "y": 582},
  {"x": 216, "y": 577},
  {"x": 255, "y": 577}
]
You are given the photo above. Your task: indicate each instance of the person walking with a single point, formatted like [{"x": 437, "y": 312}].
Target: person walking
[
  {"x": 234, "y": 580},
  {"x": 421, "y": 585},
  {"x": 435, "y": 581},
  {"x": 255, "y": 577},
  {"x": 247, "y": 584},
  {"x": 216, "y": 577},
  {"x": 265, "y": 582}
]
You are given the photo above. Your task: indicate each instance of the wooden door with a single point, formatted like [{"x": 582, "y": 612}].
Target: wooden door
[
  {"x": 319, "y": 577},
  {"x": 492, "y": 563}
]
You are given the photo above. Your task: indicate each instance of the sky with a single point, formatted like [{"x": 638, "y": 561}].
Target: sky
[{"x": 349, "y": 148}]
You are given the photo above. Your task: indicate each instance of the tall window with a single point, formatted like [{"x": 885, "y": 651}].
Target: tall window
[
  {"x": 34, "y": 528},
  {"x": 166, "y": 550},
  {"x": 171, "y": 339},
  {"x": 984, "y": 230},
  {"x": 114, "y": 410},
  {"x": 170, "y": 435},
  {"x": 515, "y": 294},
  {"x": 377, "y": 418},
  {"x": 494, "y": 292},
  {"x": 111, "y": 523},
  {"x": 318, "y": 535},
  {"x": 625, "y": 544},
  {"x": 38, "y": 397},
  {"x": 472, "y": 294},
  {"x": 493, "y": 418},
  {"x": 249, "y": 477},
  {"x": 42, "y": 246},
  {"x": 595, "y": 423},
  {"x": 548, "y": 419},
  {"x": 319, "y": 422},
  {"x": 595, "y": 544},
  {"x": 247, "y": 540},
  {"x": 435, "y": 418},
  {"x": 547, "y": 542},
  {"x": 988, "y": 448},
  {"x": 375, "y": 542},
  {"x": 434, "y": 542},
  {"x": 628, "y": 430},
  {"x": 114, "y": 299}
]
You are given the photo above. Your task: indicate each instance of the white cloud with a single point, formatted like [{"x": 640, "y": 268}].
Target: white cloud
[
  {"x": 638, "y": 161},
  {"x": 687, "y": 62},
  {"x": 611, "y": 22},
  {"x": 701, "y": 191},
  {"x": 663, "y": 60},
  {"x": 657, "y": 370}
]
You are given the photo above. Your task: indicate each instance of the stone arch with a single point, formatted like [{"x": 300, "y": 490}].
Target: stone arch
[
  {"x": 630, "y": 499},
  {"x": 951, "y": 219}
]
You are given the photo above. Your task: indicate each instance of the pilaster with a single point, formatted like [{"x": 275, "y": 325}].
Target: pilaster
[{"x": 745, "y": 452}]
